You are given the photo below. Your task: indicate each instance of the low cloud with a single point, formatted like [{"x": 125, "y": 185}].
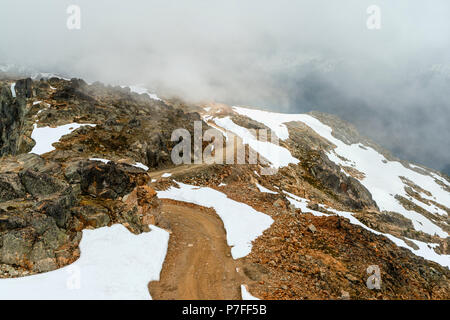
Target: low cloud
[{"x": 290, "y": 56}]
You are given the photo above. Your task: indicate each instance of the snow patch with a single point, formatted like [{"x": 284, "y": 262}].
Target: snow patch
[
  {"x": 382, "y": 177},
  {"x": 265, "y": 190},
  {"x": 275, "y": 154},
  {"x": 242, "y": 223},
  {"x": 114, "y": 264},
  {"x": 141, "y": 90},
  {"x": 267, "y": 119},
  {"x": 246, "y": 295},
  {"x": 100, "y": 159},
  {"x": 140, "y": 165},
  {"x": 425, "y": 249},
  {"x": 47, "y": 75},
  {"x": 13, "y": 90},
  {"x": 137, "y": 165},
  {"x": 46, "y": 136},
  {"x": 302, "y": 204}
]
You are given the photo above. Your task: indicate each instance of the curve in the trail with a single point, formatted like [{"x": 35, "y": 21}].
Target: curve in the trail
[{"x": 198, "y": 264}]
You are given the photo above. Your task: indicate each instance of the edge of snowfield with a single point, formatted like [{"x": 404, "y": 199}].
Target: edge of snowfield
[
  {"x": 45, "y": 137},
  {"x": 377, "y": 169},
  {"x": 425, "y": 249},
  {"x": 246, "y": 295},
  {"x": 242, "y": 223},
  {"x": 382, "y": 177},
  {"x": 114, "y": 264}
]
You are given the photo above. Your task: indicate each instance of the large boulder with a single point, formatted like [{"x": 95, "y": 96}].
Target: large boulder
[
  {"x": 41, "y": 184},
  {"x": 327, "y": 176},
  {"x": 60, "y": 207},
  {"x": 142, "y": 207},
  {"x": 105, "y": 180},
  {"x": 12, "y": 114},
  {"x": 11, "y": 187},
  {"x": 24, "y": 88},
  {"x": 16, "y": 246}
]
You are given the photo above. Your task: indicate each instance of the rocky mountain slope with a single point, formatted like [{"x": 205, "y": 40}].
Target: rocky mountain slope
[{"x": 80, "y": 158}]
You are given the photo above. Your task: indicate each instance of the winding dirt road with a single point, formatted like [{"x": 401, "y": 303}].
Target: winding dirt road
[{"x": 198, "y": 264}]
